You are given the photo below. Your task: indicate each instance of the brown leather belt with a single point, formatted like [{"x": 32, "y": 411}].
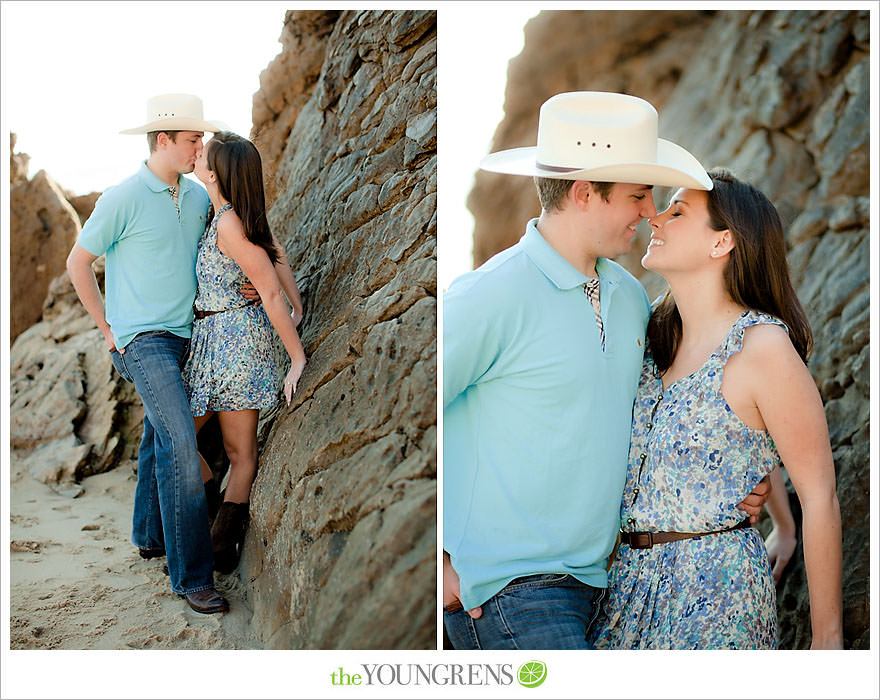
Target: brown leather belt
[
  {"x": 646, "y": 540},
  {"x": 202, "y": 314}
]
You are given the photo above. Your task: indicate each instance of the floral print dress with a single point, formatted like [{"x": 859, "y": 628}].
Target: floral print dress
[
  {"x": 231, "y": 364},
  {"x": 691, "y": 462}
]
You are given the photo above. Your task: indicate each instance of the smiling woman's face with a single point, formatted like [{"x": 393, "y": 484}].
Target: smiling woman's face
[{"x": 681, "y": 237}]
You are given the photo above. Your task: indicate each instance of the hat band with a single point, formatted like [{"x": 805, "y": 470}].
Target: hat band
[{"x": 556, "y": 168}]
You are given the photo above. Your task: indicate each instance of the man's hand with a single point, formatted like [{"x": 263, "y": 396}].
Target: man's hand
[
  {"x": 452, "y": 590},
  {"x": 110, "y": 340},
  {"x": 249, "y": 292},
  {"x": 753, "y": 503},
  {"x": 780, "y": 546}
]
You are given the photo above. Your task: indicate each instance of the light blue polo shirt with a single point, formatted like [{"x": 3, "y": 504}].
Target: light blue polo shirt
[
  {"x": 537, "y": 417},
  {"x": 150, "y": 278}
]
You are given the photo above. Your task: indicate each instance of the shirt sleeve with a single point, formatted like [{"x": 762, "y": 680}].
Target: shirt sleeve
[
  {"x": 472, "y": 336},
  {"x": 105, "y": 224}
]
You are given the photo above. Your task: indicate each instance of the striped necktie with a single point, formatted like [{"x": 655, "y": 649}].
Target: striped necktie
[{"x": 591, "y": 289}]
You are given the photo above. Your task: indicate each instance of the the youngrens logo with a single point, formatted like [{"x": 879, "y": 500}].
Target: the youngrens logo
[{"x": 529, "y": 675}]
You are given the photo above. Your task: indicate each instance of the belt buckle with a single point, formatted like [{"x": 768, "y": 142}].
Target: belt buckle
[{"x": 641, "y": 540}]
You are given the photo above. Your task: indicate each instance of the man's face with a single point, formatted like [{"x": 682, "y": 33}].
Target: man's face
[
  {"x": 613, "y": 223},
  {"x": 182, "y": 153}
]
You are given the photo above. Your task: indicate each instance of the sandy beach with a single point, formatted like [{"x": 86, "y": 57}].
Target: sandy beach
[{"x": 77, "y": 582}]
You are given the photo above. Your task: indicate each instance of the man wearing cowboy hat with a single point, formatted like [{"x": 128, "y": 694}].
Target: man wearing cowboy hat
[
  {"x": 148, "y": 227},
  {"x": 542, "y": 351}
]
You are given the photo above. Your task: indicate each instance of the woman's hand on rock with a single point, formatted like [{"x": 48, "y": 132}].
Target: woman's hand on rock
[{"x": 292, "y": 378}]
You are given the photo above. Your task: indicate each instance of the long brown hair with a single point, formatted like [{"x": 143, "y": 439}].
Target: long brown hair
[
  {"x": 239, "y": 169},
  {"x": 756, "y": 275}
]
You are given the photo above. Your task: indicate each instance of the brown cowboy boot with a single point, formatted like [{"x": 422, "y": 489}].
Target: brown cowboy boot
[
  {"x": 212, "y": 498},
  {"x": 227, "y": 535}
]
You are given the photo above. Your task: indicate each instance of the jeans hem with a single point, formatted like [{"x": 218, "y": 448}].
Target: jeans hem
[{"x": 193, "y": 590}]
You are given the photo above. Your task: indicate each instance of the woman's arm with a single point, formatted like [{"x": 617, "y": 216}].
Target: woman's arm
[
  {"x": 288, "y": 283},
  {"x": 792, "y": 410},
  {"x": 254, "y": 262},
  {"x": 782, "y": 540}
]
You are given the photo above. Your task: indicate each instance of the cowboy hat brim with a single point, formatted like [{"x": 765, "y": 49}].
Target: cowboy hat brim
[
  {"x": 674, "y": 167},
  {"x": 176, "y": 124}
]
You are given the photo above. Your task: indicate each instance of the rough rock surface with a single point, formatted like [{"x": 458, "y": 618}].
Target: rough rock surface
[
  {"x": 43, "y": 227},
  {"x": 18, "y": 164},
  {"x": 44, "y": 221},
  {"x": 71, "y": 414},
  {"x": 82, "y": 204},
  {"x": 782, "y": 98},
  {"x": 341, "y": 545}
]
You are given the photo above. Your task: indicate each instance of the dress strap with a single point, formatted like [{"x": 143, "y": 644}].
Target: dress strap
[
  {"x": 733, "y": 342},
  {"x": 211, "y": 232},
  {"x": 222, "y": 210}
]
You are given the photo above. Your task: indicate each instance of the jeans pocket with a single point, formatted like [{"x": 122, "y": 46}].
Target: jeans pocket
[
  {"x": 460, "y": 629},
  {"x": 118, "y": 361}
]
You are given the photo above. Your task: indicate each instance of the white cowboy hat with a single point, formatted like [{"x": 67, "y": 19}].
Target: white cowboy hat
[
  {"x": 175, "y": 112},
  {"x": 604, "y": 137}
]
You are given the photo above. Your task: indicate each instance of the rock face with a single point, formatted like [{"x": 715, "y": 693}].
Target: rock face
[
  {"x": 43, "y": 227},
  {"x": 18, "y": 165},
  {"x": 44, "y": 221},
  {"x": 341, "y": 545},
  {"x": 71, "y": 414},
  {"x": 782, "y": 98}
]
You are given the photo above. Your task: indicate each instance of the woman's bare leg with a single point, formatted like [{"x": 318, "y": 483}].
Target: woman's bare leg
[
  {"x": 207, "y": 474},
  {"x": 239, "y": 430}
]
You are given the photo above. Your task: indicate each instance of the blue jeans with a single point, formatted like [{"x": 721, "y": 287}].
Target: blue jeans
[
  {"x": 169, "y": 501},
  {"x": 545, "y": 611}
]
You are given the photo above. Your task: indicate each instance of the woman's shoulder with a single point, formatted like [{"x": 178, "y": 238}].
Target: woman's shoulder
[
  {"x": 229, "y": 225},
  {"x": 765, "y": 342}
]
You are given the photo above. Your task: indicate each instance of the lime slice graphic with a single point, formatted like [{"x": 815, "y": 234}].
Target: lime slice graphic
[{"x": 532, "y": 673}]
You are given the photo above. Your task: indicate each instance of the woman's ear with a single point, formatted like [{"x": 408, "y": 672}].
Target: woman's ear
[{"x": 724, "y": 243}]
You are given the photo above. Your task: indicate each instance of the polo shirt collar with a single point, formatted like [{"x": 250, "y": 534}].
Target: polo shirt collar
[
  {"x": 151, "y": 180},
  {"x": 556, "y": 268}
]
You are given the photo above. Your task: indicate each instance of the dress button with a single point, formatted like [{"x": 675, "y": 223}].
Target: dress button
[
  {"x": 635, "y": 490},
  {"x": 643, "y": 456},
  {"x": 650, "y": 425},
  {"x": 660, "y": 398}
]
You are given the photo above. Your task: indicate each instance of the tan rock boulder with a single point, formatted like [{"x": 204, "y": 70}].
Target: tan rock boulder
[
  {"x": 18, "y": 164},
  {"x": 83, "y": 204},
  {"x": 43, "y": 227},
  {"x": 71, "y": 414}
]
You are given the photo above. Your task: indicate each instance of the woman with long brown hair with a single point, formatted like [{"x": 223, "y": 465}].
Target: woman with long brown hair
[
  {"x": 724, "y": 394},
  {"x": 231, "y": 368}
]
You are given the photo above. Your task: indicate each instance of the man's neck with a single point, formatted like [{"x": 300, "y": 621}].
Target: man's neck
[
  {"x": 566, "y": 240},
  {"x": 165, "y": 173}
]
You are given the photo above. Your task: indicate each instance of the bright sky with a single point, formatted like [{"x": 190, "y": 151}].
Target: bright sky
[
  {"x": 475, "y": 45},
  {"x": 76, "y": 73}
]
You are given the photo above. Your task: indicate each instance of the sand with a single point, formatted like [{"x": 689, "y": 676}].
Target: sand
[{"x": 77, "y": 582}]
